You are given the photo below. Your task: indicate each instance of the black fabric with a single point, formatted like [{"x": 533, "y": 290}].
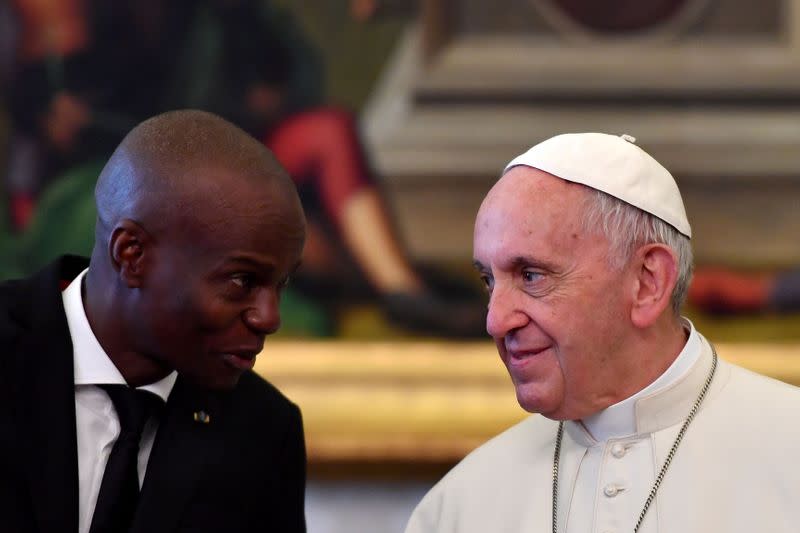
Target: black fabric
[
  {"x": 243, "y": 472},
  {"x": 119, "y": 491}
]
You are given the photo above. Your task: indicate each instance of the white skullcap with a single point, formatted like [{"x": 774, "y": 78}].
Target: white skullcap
[{"x": 614, "y": 165}]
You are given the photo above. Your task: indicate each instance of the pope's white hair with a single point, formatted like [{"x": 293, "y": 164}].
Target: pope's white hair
[{"x": 627, "y": 228}]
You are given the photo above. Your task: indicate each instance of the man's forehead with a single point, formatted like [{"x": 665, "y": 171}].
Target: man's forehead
[
  {"x": 256, "y": 242},
  {"x": 221, "y": 202},
  {"x": 219, "y": 186}
]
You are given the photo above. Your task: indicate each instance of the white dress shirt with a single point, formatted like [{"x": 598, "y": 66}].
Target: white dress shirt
[{"x": 97, "y": 423}]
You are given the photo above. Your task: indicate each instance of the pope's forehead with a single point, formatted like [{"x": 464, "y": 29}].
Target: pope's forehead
[
  {"x": 531, "y": 214},
  {"x": 530, "y": 188}
]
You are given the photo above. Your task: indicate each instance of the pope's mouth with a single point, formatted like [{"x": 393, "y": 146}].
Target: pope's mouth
[{"x": 520, "y": 357}]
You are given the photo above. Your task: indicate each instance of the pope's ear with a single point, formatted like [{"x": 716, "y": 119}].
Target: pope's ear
[
  {"x": 656, "y": 274},
  {"x": 129, "y": 249}
]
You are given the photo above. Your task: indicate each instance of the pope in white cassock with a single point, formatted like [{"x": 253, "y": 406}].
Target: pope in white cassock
[{"x": 583, "y": 245}]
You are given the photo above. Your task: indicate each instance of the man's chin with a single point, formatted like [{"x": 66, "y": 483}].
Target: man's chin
[
  {"x": 225, "y": 385},
  {"x": 217, "y": 382}
]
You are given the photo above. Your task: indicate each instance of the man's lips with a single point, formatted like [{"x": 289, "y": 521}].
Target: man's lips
[{"x": 241, "y": 359}]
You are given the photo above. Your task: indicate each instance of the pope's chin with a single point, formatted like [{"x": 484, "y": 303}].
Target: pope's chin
[{"x": 538, "y": 398}]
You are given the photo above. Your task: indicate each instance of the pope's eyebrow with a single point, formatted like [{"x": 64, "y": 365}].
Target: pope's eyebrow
[
  {"x": 521, "y": 261},
  {"x": 528, "y": 261}
]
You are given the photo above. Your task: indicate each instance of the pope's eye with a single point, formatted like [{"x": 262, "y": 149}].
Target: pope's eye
[{"x": 530, "y": 276}]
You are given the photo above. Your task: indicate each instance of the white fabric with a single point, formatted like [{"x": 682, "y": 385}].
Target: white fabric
[
  {"x": 620, "y": 418},
  {"x": 614, "y": 165},
  {"x": 734, "y": 472},
  {"x": 97, "y": 423},
  {"x": 615, "y": 464}
]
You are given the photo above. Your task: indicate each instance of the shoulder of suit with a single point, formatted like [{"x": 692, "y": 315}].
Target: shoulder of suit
[
  {"x": 255, "y": 390},
  {"x": 21, "y": 299},
  {"x": 13, "y": 310}
]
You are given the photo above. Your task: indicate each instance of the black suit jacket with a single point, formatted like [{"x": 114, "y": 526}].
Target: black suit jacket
[{"x": 243, "y": 471}]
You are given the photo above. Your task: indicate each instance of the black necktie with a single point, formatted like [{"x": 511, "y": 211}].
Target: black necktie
[{"x": 119, "y": 491}]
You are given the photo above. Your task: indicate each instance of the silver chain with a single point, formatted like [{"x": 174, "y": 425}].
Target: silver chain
[
  {"x": 667, "y": 461},
  {"x": 556, "y": 460}
]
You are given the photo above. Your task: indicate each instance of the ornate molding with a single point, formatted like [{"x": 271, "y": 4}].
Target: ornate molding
[{"x": 418, "y": 402}]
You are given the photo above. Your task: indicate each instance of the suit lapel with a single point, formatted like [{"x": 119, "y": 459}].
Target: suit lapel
[
  {"x": 45, "y": 414},
  {"x": 184, "y": 441},
  {"x": 46, "y": 410}
]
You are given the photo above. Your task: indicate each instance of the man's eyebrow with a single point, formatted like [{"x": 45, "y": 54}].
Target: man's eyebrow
[
  {"x": 248, "y": 260},
  {"x": 259, "y": 265},
  {"x": 477, "y": 265}
]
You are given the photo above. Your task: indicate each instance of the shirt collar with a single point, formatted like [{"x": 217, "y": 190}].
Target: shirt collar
[
  {"x": 91, "y": 364},
  {"x": 619, "y": 420}
]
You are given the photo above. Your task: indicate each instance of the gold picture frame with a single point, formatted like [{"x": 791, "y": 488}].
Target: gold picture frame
[{"x": 423, "y": 402}]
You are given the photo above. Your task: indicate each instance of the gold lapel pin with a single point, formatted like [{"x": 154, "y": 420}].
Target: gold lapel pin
[{"x": 202, "y": 417}]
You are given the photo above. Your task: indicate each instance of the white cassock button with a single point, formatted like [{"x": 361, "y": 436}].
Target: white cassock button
[
  {"x": 610, "y": 490},
  {"x": 618, "y": 450}
]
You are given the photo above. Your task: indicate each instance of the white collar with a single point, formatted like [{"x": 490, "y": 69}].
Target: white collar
[
  {"x": 619, "y": 420},
  {"x": 91, "y": 364}
]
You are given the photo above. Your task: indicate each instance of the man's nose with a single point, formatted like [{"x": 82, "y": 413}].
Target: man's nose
[
  {"x": 504, "y": 314},
  {"x": 264, "y": 315}
]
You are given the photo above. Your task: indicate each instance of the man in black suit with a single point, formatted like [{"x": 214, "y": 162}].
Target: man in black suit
[{"x": 198, "y": 229}]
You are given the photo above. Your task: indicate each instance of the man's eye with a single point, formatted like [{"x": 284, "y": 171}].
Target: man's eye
[
  {"x": 487, "y": 281},
  {"x": 242, "y": 281}
]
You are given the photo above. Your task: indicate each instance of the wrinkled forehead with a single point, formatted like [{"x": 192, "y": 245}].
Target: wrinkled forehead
[
  {"x": 525, "y": 190},
  {"x": 529, "y": 209}
]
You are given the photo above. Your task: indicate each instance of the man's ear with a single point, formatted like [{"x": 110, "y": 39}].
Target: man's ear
[
  {"x": 656, "y": 275},
  {"x": 130, "y": 248}
]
